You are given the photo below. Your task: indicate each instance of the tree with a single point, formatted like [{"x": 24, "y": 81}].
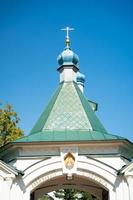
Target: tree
[
  {"x": 46, "y": 197},
  {"x": 87, "y": 196},
  {"x": 73, "y": 194},
  {"x": 9, "y": 129},
  {"x": 66, "y": 194}
]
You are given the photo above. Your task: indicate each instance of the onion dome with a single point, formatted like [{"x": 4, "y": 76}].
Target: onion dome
[
  {"x": 80, "y": 78},
  {"x": 68, "y": 57}
]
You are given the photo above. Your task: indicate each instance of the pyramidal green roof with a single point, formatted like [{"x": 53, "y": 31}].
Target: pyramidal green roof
[
  {"x": 68, "y": 117},
  {"x": 68, "y": 110}
]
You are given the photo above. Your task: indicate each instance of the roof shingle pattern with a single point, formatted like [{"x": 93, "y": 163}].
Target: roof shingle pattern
[{"x": 68, "y": 117}]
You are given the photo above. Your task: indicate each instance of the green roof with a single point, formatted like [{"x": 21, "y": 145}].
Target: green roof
[
  {"x": 68, "y": 117},
  {"x": 68, "y": 136}
]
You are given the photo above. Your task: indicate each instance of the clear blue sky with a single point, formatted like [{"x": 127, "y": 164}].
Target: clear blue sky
[{"x": 30, "y": 41}]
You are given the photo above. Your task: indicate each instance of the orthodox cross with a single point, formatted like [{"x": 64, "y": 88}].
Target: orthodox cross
[{"x": 67, "y": 29}]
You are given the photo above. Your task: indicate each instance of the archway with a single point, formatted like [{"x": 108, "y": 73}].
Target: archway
[
  {"x": 77, "y": 182},
  {"x": 91, "y": 176}
]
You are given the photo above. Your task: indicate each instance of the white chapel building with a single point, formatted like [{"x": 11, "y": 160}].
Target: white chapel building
[{"x": 68, "y": 147}]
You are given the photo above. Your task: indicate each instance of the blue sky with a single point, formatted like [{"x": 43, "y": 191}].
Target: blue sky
[{"x": 30, "y": 41}]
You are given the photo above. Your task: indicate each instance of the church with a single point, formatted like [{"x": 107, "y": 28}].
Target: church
[{"x": 68, "y": 147}]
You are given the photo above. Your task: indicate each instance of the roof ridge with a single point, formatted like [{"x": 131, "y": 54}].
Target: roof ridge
[
  {"x": 95, "y": 123},
  {"x": 38, "y": 124}
]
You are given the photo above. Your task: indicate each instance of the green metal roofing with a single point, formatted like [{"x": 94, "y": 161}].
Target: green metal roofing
[
  {"x": 68, "y": 117},
  {"x": 94, "y": 121},
  {"x": 68, "y": 112},
  {"x": 62, "y": 136},
  {"x": 43, "y": 118}
]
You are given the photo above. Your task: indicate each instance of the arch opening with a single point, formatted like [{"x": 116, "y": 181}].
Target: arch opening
[{"x": 78, "y": 183}]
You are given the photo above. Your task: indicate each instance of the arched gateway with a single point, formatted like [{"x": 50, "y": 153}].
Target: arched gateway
[{"x": 68, "y": 147}]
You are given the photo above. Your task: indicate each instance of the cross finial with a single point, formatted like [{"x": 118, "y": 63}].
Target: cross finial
[{"x": 67, "y": 29}]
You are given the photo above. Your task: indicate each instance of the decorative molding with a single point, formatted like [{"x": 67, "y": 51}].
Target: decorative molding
[
  {"x": 93, "y": 177},
  {"x": 44, "y": 178}
]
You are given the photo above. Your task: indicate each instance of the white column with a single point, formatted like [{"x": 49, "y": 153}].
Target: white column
[
  {"x": 122, "y": 191},
  {"x": 17, "y": 190},
  {"x": 112, "y": 195},
  {"x": 5, "y": 185},
  {"x": 130, "y": 184},
  {"x": 26, "y": 195}
]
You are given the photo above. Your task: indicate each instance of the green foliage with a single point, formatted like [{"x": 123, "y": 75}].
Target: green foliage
[
  {"x": 46, "y": 197},
  {"x": 72, "y": 194},
  {"x": 66, "y": 194},
  {"x": 69, "y": 194},
  {"x": 9, "y": 129},
  {"x": 87, "y": 196}
]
